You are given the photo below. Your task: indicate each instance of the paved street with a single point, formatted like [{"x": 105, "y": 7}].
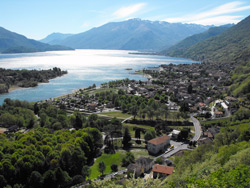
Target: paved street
[
  {"x": 197, "y": 127},
  {"x": 178, "y": 146}
]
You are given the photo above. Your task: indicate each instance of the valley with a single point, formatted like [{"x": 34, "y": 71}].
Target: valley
[{"x": 108, "y": 107}]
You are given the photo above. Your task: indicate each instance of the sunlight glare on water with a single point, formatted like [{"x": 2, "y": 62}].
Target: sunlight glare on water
[{"x": 85, "y": 67}]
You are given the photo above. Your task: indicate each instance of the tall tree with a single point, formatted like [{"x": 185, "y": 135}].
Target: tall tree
[
  {"x": 126, "y": 138},
  {"x": 101, "y": 167}
]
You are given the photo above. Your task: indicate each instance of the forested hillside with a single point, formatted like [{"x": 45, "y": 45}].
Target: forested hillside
[
  {"x": 48, "y": 155},
  {"x": 232, "y": 45},
  {"x": 181, "y": 47}
]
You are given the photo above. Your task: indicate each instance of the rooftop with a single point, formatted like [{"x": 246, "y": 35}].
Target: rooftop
[
  {"x": 163, "y": 169},
  {"x": 159, "y": 140}
]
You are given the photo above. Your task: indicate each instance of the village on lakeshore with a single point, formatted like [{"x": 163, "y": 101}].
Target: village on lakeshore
[{"x": 190, "y": 93}]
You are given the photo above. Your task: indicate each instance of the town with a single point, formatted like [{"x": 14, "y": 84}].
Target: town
[{"x": 186, "y": 95}]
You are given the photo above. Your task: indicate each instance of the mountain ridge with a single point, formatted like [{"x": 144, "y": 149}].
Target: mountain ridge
[
  {"x": 179, "y": 48},
  {"x": 133, "y": 34},
  {"x": 11, "y": 42}
]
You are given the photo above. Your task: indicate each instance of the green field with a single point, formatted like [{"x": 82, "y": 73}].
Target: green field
[
  {"x": 118, "y": 115},
  {"x": 132, "y": 132},
  {"x": 108, "y": 159},
  {"x": 94, "y": 91},
  {"x": 116, "y": 158},
  {"x": 216, "y": 122}
]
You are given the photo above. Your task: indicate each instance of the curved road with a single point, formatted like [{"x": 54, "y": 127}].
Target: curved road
[{"x": 197, "y": 127}]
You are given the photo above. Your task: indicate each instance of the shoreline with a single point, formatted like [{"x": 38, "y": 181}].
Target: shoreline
[{"x": 14, "y": 87}]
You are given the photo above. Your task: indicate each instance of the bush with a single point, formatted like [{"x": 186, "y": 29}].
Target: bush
[{"x": 114, "y": 167}]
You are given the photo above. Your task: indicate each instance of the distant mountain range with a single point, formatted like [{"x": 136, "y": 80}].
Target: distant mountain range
[
  {"x": 134, "y": 34},
  {"x": 232, "y": 45},
  {"x": 55, "y": 38},
  {"x": 11, "y": 42},
  {"x": 181, "y": 47}
]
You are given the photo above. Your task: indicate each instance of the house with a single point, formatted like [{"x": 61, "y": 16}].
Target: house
[
  {"x": 157, "y": 145},
  {"x": 174, "y": 134},
  {"x": 204, "y": 141},
  {"x": 144, "y": 163},
  {"x": 92, "y": 107},
  {"x": 141, "y": 165},
  {"x": 213, "y": 131},
  {"x": 162, "y": 171},
  {"x": 218, "y": 114}
]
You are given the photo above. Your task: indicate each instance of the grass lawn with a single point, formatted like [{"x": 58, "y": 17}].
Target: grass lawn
[
  {"x": 108, "y": 159},
  {"x": 137, "y": 153},
  {"x": 118, "y": 143},
  {"x": 116, "y": 158},
  {"x": 215, "y": 122},
  {"x": 132, "y": 132},
  {"x": 181, "y": 127},
  {"x": 119, "y": 115},
  {"x": 94, "y": 91},
  {"x": 172, "y": 116}
]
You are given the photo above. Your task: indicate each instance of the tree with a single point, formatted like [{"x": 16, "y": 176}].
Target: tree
[
  {"x": 138, "y": 133},
  {"x": 77, "y": 179},
  {"x": 36, "y": 108},
  {"x": 49, "y": 179},
  {"x": 78, "y": 121},
  {"x": 114, "y": 167},
  {"x": 36, "y": 179},
  {"x": 126, "y": 138},
  {"x": 184, "y": 134},
  {"x": 129, "y": 158},
  {"x": 3, "y": 181},
  {"x": 190, "y": 89},
  {"x": 101, "y": 167},
  {"x": 134, "y": 110},
  {"x": 159, "y": 160},
  {"x": 184, "y": 107},
  {"x": 93, "y": 117},
  {"x": 150, "y": 134},
  {"x": 85, "y": 172}
]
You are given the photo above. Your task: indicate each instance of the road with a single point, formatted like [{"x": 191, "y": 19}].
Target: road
[
  {"x": 197, "y": 127},
  {"x": 178, "y": 146},
  {"x": 127, "y": 119}
]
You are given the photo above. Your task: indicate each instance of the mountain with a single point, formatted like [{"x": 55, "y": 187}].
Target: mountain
[
  {"x": 231, "y": 46},
  {"x": 54, "y": 38},
  {"x": 182, "y": 46},
  {"x": 11, "y": 42},
  {"x": 134, "y": 34}
]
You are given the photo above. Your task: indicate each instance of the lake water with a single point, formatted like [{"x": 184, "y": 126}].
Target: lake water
[{"x": 85, "y": 67}]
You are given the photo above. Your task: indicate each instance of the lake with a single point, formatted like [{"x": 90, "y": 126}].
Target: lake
[{"x": 85, "y": 67}]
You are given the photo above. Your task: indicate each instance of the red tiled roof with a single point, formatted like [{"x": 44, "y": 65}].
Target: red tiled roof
[
  {"x": 201, "y": 104},
  {"x": 159, "y": 140},
  {"x": 163, "y": 169}
]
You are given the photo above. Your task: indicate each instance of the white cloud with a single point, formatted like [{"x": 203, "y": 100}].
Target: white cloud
[
  {"x": 216, "y": 16},
  {"x": 125, "y": 12},
  {"x": 85, "y": 25},
  {"x": 217, "y": 20}
]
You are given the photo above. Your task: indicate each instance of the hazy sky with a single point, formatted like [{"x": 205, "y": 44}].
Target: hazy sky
[{"x": 38, "y": 18}]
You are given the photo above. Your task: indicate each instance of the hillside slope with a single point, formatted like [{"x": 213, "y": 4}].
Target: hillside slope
[
  {"x": 182, "y": 46},
  {"x": 232, "y": 45},
  {"x": 11, "y": 42}
]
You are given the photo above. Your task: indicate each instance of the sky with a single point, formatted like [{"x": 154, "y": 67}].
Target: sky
[{"x": 38, "y": 18}]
